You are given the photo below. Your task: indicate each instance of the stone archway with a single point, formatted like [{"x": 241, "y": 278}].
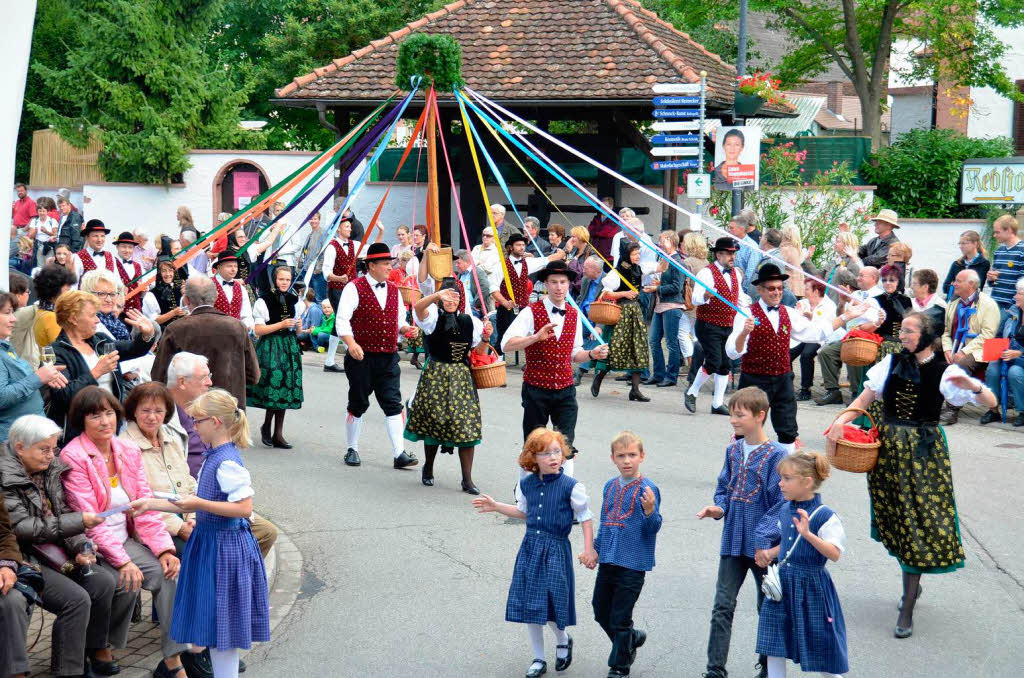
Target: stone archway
[{"x": 224, "y": 185}]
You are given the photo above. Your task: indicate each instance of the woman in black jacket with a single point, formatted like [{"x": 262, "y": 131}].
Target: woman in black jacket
[
  {"x": 84, "y": 365},
  {"x": 973, "y": 251},
  {"x": 52, "y": 537}
]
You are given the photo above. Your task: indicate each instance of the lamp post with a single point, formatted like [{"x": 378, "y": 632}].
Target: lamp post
[{"x": 741, "y": 70}]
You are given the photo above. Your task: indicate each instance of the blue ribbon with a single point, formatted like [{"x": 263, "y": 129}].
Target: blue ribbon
[{"x": 585, "y": 195}]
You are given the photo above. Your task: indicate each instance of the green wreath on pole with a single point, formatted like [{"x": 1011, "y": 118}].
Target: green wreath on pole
[{"x": 436, "y": 58}]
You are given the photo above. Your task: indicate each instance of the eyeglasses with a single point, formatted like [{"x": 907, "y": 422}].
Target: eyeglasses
[
  {"x": 907, "y": 331},
  {"x": 548, "y": 453},
  {"x": 48, "y": 451},
  {"x": 106, "y": 295}
]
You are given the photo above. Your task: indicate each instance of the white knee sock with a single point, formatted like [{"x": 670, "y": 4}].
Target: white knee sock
[
  {"x": 776, "y": 667},
  {"x": 353, "y": 425},
  {"x": 721, "y": 381},
  {"x": 332, "y": 348},
  {"x": 536, "y": 640},
  {"x": 698, "y": 381},
  {"x": 562, "y": 637},
  {"x": 569, "y": 466},
  {"x": 225, "y": 663},
  {"x": 396, "y": 424}
]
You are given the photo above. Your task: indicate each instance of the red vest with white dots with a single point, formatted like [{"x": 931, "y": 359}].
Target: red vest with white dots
[
  {"x": 767, "y": 350},
  {"x": 373, "y": 328},
  {"x": 521, "y": 285},
  {"x": 549, "y": 362},
  {"x": 234, "y": 307},
  {"x": 89, "y": 264},
  {"x": 715, "y": 311},
  {"x": 127, "y": 273},
  {"x": 462, "y": 295},
  {"x": 344, "y": 257}
]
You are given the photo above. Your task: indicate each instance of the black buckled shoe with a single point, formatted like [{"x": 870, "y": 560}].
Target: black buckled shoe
[
  {"x": 470, "y": 488},
  {"x": 161, "y": 671},
  {"x": 563, "y": 664},
  {"x": 721, "y": 409},
  {"x": 282, "y": 444},
  {"x": 538, "y": 668},
  {"x": 265, "y": 436},
  {"x": 101, "y": 668},
  {"x": 404, "y": 460},
  {"x": 690, "y": 401},
  {"x": 197, "y": 664},
  {"x": 425, "y": 479},
  {"x": 352, "y": 458},
  {"x": 334, "y": 368}
]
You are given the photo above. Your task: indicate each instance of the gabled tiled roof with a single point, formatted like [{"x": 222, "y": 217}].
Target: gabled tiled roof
[{"x": 517, "y": 50}]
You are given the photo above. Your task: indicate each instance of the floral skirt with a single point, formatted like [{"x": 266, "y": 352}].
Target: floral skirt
[
  {"x": 445, "y": 410},
  {"x": 280, "y": 384},
  {"x": 913, "y": 510},
  {"x": 628, "y": 347}
]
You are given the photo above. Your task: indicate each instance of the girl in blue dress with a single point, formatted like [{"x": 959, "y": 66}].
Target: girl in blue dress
[
  {"x": 807, "y": 625},
  {"x": 221, "y": 602},
  {"x": 543, "y": 589}
]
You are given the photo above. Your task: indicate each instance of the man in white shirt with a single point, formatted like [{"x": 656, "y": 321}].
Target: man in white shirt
[
  {"x": 232, "y": 298},
  {"x": 820, "y": 310},
  {"x": 127, "y": 269},
  {"x": 520, "y": 269},
  {"x": 762, "y": 342},
  {"x": 551, "y": 335},
  {"x": 93, "y": 255},
  {"x": 486, "y": 257},
  {"x": 369, "y": 319},
  {"x": 339, "y": 267},
  {"x": 860, "y": 312}
]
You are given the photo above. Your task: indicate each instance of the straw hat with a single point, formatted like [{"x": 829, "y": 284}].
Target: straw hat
[{"x": 888, "y": 216}]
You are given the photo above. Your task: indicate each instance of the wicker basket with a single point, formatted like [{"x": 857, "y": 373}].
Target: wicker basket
[
  {"x": 605, "y": 313},
  {"x": 489, "y": 376},
  {"x": 439, "y": 264},
  {"x": 410, "y": 295},
  {"x": 858, "y": 352},
  {"x": 850, "y": 456}
]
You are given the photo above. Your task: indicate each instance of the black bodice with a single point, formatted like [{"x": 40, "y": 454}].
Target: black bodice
[
  {"x": 896, "y": 306},
  {"x": 918, "y": 402},
  {"x": 451, "y": 346},
  {"x": 630, "y": 272},
  {"x": 166, "y": 296},
  {"x": 279, "y": 306}
]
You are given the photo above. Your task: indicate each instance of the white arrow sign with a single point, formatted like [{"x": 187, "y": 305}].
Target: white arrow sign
[
  {"x": 676, "y": 88},
  {"x": 670, "y": 151},
  {"x": 683, "y": 126}
]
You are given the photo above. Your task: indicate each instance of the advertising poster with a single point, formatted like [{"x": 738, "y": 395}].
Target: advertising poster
[
  {"x": 737, "y": 158},
  {"x": 244, "y": 185}
]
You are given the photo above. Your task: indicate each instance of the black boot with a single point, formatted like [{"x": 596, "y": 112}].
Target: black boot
[
  {"x": 634, "y": 393},
  {"x": 595, "y": 386}
]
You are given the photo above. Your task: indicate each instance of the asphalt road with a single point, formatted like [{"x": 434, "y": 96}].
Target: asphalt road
[{"x": 405, "y": 580}]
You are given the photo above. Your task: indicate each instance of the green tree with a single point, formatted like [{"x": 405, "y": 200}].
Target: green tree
[
  {"x": 141, "y": 81},
  {"x": 266, "y": 43},
  {"x": 952, "y": 42}
]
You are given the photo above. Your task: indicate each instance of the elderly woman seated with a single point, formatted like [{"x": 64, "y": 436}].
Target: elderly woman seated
[
  {"x": 1012, "y": 361},
  {"x": 107, "y": 472},
  {"x": 92, "y": 614},
  {"x": 13, "y": 620},
  {"x": 148, "y": 409},
  {"x": 90, "y": 358}
]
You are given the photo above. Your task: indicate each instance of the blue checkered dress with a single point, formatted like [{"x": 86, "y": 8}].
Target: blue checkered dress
[
  {"x": 543, "y": 583},
  {"x": 807, "y": 625},
  {"x": 221, "y": 600}
]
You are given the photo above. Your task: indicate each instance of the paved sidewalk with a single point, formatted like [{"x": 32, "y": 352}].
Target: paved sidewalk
[{"x": 140, "y": 657}]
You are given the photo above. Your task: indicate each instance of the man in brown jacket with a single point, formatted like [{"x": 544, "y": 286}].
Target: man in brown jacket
[
  {"x": 206, "y": 331},
  {"x": 13, "y": 620}
]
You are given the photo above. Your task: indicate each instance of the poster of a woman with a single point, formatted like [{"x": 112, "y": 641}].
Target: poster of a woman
[{"x": 737, "y": 150}]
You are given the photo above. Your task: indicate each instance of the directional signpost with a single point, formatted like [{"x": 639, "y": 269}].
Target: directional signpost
[{"x": 679, "y": 121}]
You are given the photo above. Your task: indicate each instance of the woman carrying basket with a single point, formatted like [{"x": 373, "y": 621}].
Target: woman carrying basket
[
  {"x": 445, "y": 411},
  {"x": 913, "y": 510}
]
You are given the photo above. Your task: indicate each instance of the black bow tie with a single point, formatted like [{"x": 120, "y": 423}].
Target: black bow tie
[
  {"x": 229, "y": 282},
  {"x": 559, "y": 311},
  {"x": 126, "y": 261},
  {"x": 773, "y": 308},
  {"x": 727, "y": 271},
  {"x": 97, "y": 254},
  {"x": 381, "y": 284}
]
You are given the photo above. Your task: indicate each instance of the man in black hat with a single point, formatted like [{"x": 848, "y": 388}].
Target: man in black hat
[
  {"x": 762, "y": 342},
  {"x": 551, "y": 334},
  {"x": 128, "y": 269},
  {"x": 369, "y": 319},
  {"x": 520, "y": 268},
  {"x": 93, "y": 256},
  {"x": 232, "y": 296},
  {"x": 715, "y": 320}
]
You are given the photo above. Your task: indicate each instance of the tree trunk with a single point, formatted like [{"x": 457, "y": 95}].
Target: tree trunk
[{"x": 871, "y": 109}]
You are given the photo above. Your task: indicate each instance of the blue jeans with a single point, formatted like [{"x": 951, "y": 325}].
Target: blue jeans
[
  {"x": 1015, "y": 382},
  {"x": 319, "y": 284},
  {"x": 665, "y": 325}
]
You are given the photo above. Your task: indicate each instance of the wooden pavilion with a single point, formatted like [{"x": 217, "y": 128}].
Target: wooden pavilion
[{"x": 546, "y": 60}]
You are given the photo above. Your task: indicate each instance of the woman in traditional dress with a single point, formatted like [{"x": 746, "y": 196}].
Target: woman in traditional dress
[
  {"x": 445, "y": 411},
  {"x": 895, "y": 305},
  {"x": 280, "y": 358},
  {"x": 628, "y": 349},
  {"x": 162, "y": 303},
  {"x": 913, "y": 510}
]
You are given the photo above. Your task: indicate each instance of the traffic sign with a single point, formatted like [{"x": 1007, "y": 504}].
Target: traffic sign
[
  {"x": 698, "y": 185},
  {"x": 675, "y": 139},
  {"x": 683, "y": 125},
  {"x": 677, "y": 101},
  {"x": 668, "y": 151},
  {"x": 676, "y": 88},
  {"x": 674, "y": 165},
  {"x": 676, "y": 113}
]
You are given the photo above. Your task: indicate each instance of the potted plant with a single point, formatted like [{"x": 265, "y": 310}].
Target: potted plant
[{"x": 754, "y": 91}]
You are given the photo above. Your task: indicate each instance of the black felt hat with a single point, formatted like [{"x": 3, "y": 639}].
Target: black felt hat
[
  {"x": 768, "y": 272},
  {"x": 557, "y": 268},
  {"x": 94, "y": 225},
  {"x": 725, "y": 244}
]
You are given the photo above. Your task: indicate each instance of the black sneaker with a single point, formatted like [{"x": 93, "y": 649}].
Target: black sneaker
[
  {"x": 989, "y": 417},
  {"x": 832, "y": 396}
]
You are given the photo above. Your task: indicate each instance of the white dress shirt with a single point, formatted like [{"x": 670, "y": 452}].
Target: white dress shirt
[
  {"x": 98, "y": 256},
  {"x": 150, "y": 306},
  {"x": 487, "y": 260},
  {"x": 522, "y": 326},
  {"x": 330, "y": 255},
  {"x": 701, "y": 296},
  {"x": 800, "y": 328},
  {"x": 822, "y": 315},
  {"x": 350, "y": 302},
  {"x": 230, "y": 291}
]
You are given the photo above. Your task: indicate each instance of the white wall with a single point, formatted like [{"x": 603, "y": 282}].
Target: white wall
[
  {"x": 910, "y": 112},
  {"x": 991, "y": 114},
  {"x": 934, "y": 241}
]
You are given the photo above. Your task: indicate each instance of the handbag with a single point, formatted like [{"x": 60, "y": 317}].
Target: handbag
[
  {"x": 771, "y": 584},
  {"x": 30, "y": 584}
]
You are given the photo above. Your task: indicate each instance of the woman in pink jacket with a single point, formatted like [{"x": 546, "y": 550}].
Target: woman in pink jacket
[{"x": 107, "y": 472}]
